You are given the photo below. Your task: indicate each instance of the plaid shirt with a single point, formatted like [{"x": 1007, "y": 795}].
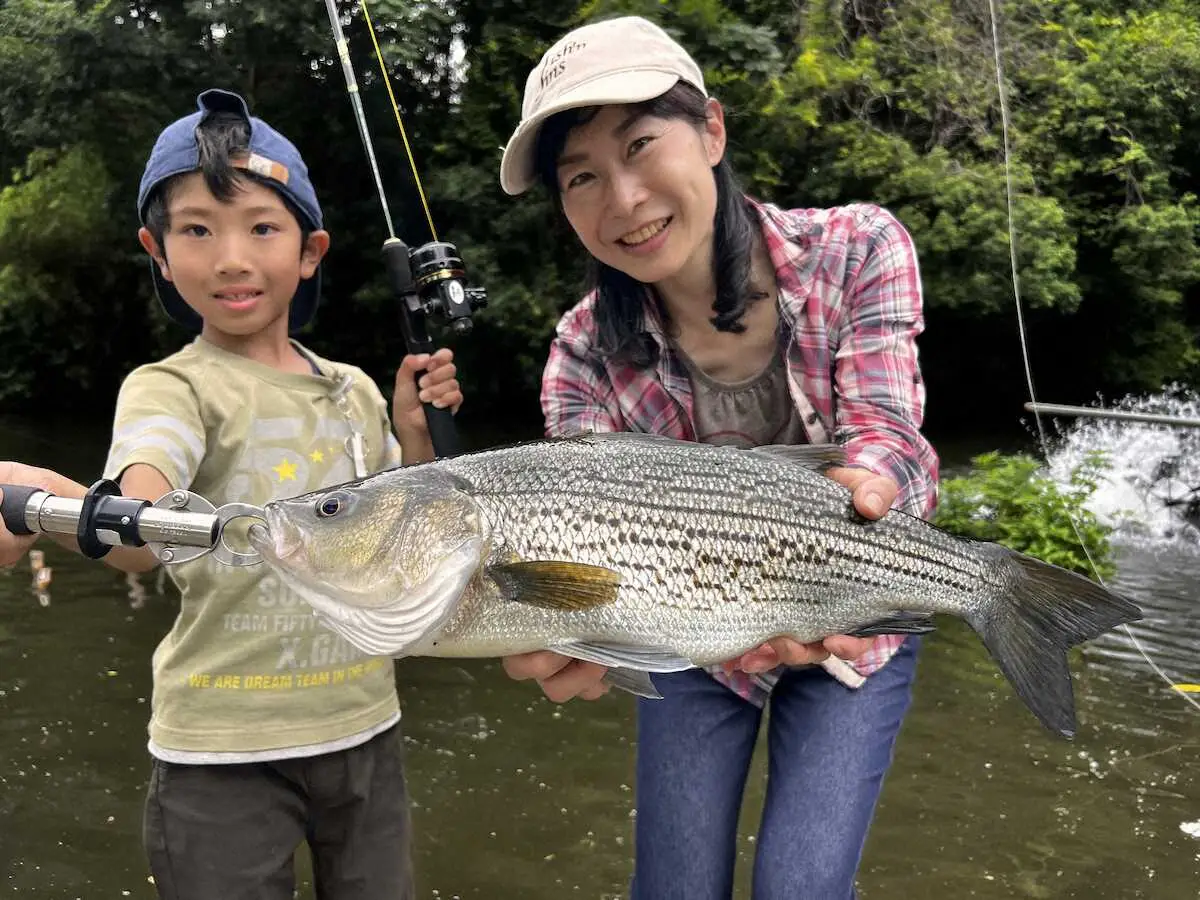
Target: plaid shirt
[{"x": 850, "y": 297}]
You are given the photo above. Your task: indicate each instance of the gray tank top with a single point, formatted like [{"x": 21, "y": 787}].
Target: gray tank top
[{"x": 748, "y": 413}]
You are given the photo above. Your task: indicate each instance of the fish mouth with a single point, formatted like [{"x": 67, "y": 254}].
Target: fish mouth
[{"x": 278, "y": 539}]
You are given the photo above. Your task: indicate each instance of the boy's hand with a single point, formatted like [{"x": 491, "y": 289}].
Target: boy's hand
[
  {"x": 438, "y": 386},
  {"x": 14, "y": 547},
  {"x": 139, "y": 480}
]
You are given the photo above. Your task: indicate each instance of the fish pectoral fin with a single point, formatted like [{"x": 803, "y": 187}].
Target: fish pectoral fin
[
  {"x": 811, "y": 456},
  {"x": 899, "y": 623},
  {"x": 636, "y": 683},
  {"x": 625, "y": 656},
  {"x": 557, "y": 585}
]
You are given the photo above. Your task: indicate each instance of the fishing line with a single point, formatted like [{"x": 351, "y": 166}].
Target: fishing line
[
  {"x": 360, "y": 118},
  {"x": 428, "y": 281},
  {"x": 1016, "y": 280},
  {"x": 387, "y": 83}
]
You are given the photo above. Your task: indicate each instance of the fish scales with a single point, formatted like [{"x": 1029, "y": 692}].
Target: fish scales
[
  {"x": 653, "y": 555},
  {"x": 740, "y": 543}
]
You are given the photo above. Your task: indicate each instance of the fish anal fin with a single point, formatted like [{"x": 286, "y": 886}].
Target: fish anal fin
[
  {"x": 633, "y": 681},
  {"x": 625, "y": 656},
  {"x": 899, "y": 623}
]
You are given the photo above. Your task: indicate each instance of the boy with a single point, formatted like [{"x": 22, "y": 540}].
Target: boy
[{"x": 266, "y": 729}]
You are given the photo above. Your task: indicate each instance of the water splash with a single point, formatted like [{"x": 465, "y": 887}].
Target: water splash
[
  {"x": 1150, "y": 487},
  {"x": 1149, "y": 493}
]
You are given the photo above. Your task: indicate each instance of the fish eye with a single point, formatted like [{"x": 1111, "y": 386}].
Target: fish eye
[{"x": 331, "y": 504}]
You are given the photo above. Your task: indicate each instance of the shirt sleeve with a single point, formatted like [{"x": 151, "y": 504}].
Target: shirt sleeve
[
  {"x": 380, "y": 412},
  {"x": 877, "y": 379},
  {"x": 575, "y": 391},
  {"x": 157, "y": 422}
]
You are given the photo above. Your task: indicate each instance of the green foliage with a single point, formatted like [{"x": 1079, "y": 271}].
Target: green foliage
[
  {"x": 894, "y": 103},
  {"x": 1011, "y": 501},
  {"x": 54, "y": 230}
]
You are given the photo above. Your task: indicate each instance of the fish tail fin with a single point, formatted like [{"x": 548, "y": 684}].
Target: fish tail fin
[{"x": 1028, "y": 628}]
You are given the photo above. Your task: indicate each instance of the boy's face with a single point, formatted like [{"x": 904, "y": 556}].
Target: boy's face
[{"x": 236, "y": 263}]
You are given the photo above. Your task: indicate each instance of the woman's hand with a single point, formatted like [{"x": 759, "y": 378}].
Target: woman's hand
[{"x": 561, "y": 677}]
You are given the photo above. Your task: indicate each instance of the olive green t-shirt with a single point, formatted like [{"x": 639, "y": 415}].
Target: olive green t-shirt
[{"x": 247, "y": 673}]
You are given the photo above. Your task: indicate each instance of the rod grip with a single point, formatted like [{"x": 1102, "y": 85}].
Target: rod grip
[
  {"x": 443, "y": 433},
  {"x": 12, "y": 507}
]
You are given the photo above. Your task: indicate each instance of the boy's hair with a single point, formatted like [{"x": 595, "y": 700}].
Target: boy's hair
[
  {"x": 620, "y": 299},
  {"x": 221, "y": 137},
  {"x": 225, "y": 143}
]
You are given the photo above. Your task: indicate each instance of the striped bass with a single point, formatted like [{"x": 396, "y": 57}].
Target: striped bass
[{"x": 647, "y": 554}]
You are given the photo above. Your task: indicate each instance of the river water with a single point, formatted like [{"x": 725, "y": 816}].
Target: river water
[{"x": 516, "y": 797}]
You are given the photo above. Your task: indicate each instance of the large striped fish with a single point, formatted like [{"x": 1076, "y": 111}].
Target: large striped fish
[{"x": 649, "y": 555}]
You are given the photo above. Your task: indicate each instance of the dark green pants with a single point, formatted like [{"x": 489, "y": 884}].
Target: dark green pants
[{"x": 231, "y": 831}]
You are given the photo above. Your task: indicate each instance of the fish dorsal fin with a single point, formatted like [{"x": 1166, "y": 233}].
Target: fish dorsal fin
[
  {"x": 551, "y": 584},
  {"x": 811, "y": 456},
  {"x": 619, "y": 437}
]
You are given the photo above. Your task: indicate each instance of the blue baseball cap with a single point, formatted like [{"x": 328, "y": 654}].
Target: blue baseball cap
[{"x": 271, "y": 156}]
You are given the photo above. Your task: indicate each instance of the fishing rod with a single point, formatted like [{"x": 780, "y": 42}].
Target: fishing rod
[
  {"x": 429, "y": 281},
  {"x": 1059, "y": 409},
  {"x": 178, "y": 527}
]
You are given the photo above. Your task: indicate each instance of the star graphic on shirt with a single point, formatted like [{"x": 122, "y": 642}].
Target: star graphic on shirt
[
  {"x": 286, "y": 470},
  {"x": 317, "y": 456}
]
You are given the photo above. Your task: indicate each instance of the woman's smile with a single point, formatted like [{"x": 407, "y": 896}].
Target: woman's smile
[{"x": 648, "y": 238}]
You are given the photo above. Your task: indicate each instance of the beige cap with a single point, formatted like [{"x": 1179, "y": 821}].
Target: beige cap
[{"x": 625, "y": 60}]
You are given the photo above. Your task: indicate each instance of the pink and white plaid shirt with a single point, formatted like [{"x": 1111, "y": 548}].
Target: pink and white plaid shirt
[{"x": 850, "y": 297}]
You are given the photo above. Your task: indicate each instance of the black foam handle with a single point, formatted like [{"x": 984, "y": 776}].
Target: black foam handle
[
  {"x": 12, "y": 507},
  {"x": 442, "y": 430}
]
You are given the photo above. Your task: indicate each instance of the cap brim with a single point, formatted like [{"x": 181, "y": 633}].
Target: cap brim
[
  {"x": 300, "y": 313},
  {"x": 517, "y": 173}
]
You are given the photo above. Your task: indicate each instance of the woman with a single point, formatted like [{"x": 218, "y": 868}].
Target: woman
[{"x": 716, "y": 318}]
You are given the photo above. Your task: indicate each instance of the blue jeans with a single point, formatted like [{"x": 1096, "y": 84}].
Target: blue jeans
[{"x": 829, "y": 748}]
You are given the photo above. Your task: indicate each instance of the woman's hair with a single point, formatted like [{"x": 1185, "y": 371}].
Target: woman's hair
[
  {"x": 220, "y": 138},
  {"x": 620, "y": 298}
]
